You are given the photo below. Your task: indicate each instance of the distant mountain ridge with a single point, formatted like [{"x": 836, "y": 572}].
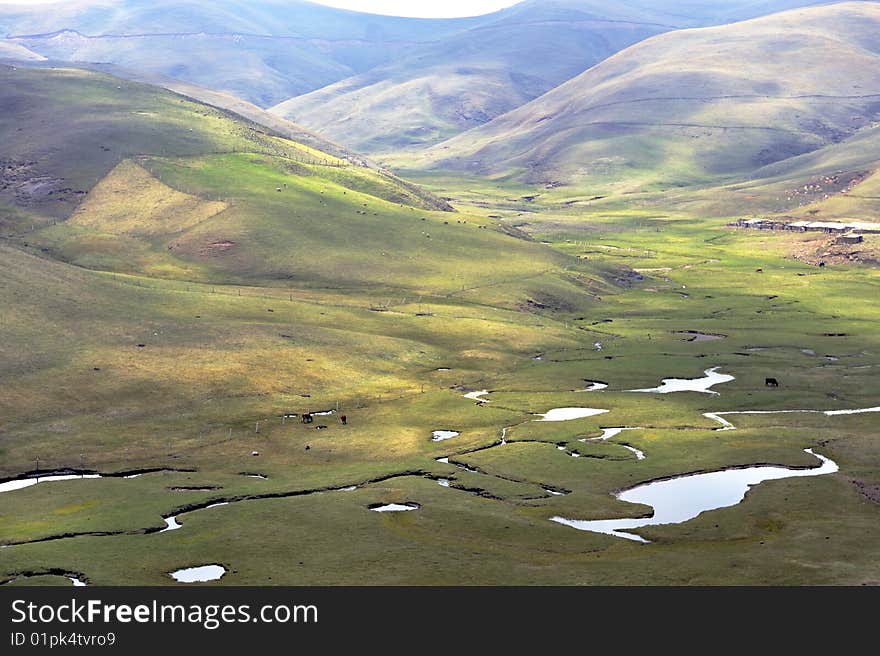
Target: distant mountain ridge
[
  {"x": 691, "y": 106},
  {"x": 511, "y": 58},
  {"x": 268, "y": 51},
  {"x": 263, "y": 51}
]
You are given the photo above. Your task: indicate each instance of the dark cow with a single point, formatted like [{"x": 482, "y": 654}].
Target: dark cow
[
  {"x": 771, "y": 382},
  {"x": 344, "y": 420},
  {"x": 307, "y": 418}
]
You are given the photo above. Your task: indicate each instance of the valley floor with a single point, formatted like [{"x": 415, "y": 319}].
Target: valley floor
[{"x": 196, "y": 418}]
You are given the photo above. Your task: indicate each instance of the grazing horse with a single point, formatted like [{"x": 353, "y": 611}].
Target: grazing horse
[
  {"x": 307, "y": 418},
  {"x": 771, "y": 382},
  {"x": 344, "y": 420}
]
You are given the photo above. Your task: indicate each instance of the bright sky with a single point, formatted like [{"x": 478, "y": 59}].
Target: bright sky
[{"x": 422, "y": 8}]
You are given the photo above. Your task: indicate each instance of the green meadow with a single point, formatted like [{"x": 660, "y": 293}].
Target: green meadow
[{"x": 214, "y": 278}]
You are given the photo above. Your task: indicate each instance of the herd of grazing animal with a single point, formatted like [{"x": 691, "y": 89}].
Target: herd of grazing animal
[{"x": 309, "y": 418}]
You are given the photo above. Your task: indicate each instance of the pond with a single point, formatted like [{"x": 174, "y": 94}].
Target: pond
[
  {"x": 21, "y": 483},
  {"x": 201, "y": 574},
  {"x": 676, "y": 500},
  {"x": 569, "y": 414},
  {"x": 395, "y": 507},
  {"x": 703, "y": 385}
]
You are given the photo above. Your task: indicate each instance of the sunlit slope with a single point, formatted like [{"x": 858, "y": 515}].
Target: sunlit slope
[
  {"x": 691, "y": 107},
  {"x": 64, "y": 129},
  {"x": 837, "y": 181},
  {"x": 123, "y": 361},
  {"x": 119, "y": 176}
]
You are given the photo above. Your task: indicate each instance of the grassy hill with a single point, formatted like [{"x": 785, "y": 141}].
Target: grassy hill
[
  {"x": 470, "y": 78},
  {"x": 154, "y": 183},
  {"x": 464, "y": 81},
  {"x": 193, "y": 278},
  {"x": 147, "y": 218},
  {"x": 691, "y": 107}
]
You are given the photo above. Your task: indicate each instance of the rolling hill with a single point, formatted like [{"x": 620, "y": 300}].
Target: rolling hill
[
  {"x": 692, "y": 107},
  {"x": 464, "y": 81},
  {"x": 116, "y": 175},
  {"x": 269, "y": 51},
  {"x": 470, "y": 78}
]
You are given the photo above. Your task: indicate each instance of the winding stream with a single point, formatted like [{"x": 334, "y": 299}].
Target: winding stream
[{"x": 726, "y": 425}]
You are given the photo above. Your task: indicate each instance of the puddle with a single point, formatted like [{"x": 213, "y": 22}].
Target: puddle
[
  {"x": 210, "y": 488},
  {"x": 554, "y": 493},
  {"x": 443, "y": 435},
  {"x": 703, "y": 385},
  {"x": 171, "y": 524},
  {"x": 568, "y": 414},
  {"x": 677, "y": 500},
  {"x": 809, "y": 352},
  {"x": 443, "y": 461},
  {"x": 476, "y": 396},
  {"x": 201, "y": 574},
  {"x": 395, "y": 507},
  {"x": 21, "y": 483},
  {"x": 443, "y": 482},
  {"x": 697, "y": 336}
]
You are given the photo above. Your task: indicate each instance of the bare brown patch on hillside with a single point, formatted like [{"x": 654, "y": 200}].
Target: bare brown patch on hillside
[
  {"x": 130, "y": 201},
  {"x": 217, "y": 248},
  {"x": 825, "y": 249}
]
